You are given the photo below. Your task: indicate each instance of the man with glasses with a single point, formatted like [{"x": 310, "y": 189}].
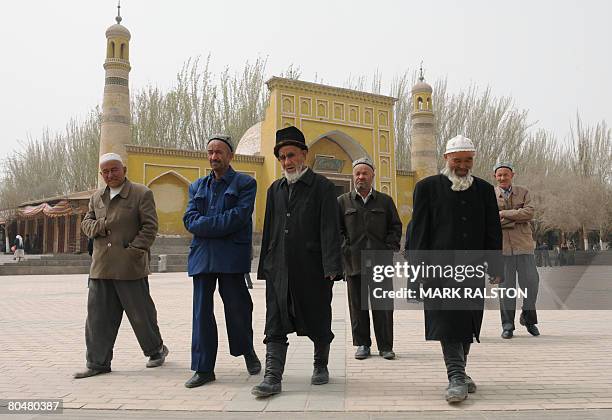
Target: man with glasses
[
  {"x": 122, "y": 222},
  {"x": 300, "y": 259}
]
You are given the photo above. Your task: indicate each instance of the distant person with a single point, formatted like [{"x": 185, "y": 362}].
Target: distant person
[
  {"x": 18, "y": 248},
  {"x": 544, "y": 248},
  {"x": 515, "y": 213},
  {"x": 122, "y": 221}
]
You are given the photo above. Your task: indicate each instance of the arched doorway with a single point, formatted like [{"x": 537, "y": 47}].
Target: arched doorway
[
  {"x": 170, "y": 190},
  {"x": 331, "y": 154}
]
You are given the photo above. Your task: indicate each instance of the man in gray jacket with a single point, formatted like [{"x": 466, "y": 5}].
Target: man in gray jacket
[
  {"x": 515, "y": 213},
  {"x": 368, "y": 221},
  {"x": 122, "y": 221}
]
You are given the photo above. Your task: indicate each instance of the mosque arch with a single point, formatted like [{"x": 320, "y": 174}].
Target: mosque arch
[
  {"x": 171, "y": 192},
  {"x": 352, "y": 148},
  {"x": 172, "y": 173}
]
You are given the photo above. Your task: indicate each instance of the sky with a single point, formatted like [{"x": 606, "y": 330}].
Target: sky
[{"x": 553, "y": 57}]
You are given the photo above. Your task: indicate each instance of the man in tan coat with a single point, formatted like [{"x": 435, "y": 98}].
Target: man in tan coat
[
  {"x": 122, "y": 222},
  {"x": 515, "y": 213}
]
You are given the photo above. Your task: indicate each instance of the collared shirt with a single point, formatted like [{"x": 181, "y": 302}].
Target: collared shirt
[
  {"x": 367, "y": 197},
  {"x": 506, "y": 192},
  {"x": 216, "y": 188}
]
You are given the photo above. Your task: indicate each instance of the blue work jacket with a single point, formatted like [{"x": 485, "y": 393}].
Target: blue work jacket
[{"x": 222, "y": 241}]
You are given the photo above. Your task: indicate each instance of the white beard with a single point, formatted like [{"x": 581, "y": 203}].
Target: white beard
[
  {"x": 459, "y": 183},
  {"x": 293, "y": 177}
]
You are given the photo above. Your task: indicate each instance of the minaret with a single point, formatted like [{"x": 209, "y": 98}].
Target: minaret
[
  {"x": 423, "y": 155},
  {"x": 116, "y": 119}
]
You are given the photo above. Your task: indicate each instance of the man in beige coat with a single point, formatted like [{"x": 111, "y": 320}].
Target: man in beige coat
[
  {"x": 515, "y": 213},
  {"x": 122, "y": 222}
]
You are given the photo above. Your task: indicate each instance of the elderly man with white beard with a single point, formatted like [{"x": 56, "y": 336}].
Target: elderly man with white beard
[
  {"x": 455, "y": 212},
  {"x": 300, "y": 259}
]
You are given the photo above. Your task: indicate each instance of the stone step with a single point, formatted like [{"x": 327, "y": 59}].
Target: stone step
[
  {"x": 15, "y": 270},
  {"x": 54, "y": 263}
]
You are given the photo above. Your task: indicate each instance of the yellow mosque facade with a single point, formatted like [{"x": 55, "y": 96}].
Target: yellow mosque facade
[{"x": 340, "y": 125}]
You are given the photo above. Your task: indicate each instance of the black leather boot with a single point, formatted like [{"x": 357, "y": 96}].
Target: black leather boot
[
  {"x": 276, "y": 354},
  {"x": 320, "y": 374},
  {"x": 454, "y": 359}
]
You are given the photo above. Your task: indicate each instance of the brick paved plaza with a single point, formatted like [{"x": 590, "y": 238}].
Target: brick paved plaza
[{"x": 564, "y": 373}]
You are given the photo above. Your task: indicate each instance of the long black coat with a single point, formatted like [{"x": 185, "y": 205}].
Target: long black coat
[
  {"x": 444, "y": 219},
  {"x": 300, "y": 248}
]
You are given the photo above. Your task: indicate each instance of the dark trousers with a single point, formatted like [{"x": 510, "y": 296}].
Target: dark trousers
[
  {"x": 455, "y": 358},
  {"x": 358, "y": 296},
  {"x": 528, "y": 278},
  {"x": 238, "y": 308},
  {"x": 106, "y": 302}
]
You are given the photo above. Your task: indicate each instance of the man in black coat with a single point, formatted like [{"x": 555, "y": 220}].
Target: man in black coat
[
  {"x": 300, "y": 259},
  {"x": 455, "y": 212},
  {"x": 368, "y": 221}
]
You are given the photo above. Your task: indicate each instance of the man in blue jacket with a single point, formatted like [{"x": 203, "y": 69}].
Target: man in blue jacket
[{"x": 219, "y": 217}]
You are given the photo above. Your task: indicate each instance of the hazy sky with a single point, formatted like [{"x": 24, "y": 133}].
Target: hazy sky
[{"x": 553, "y": 57}]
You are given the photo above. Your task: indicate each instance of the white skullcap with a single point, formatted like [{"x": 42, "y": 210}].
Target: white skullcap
[
  {"x": 459, "y": 144},
  {"x": 107, "y": 157}
]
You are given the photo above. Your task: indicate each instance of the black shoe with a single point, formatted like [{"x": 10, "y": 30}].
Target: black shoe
[
  {"x": 252, "y": 363},
  {"x": 533, "y": 330},
  {"x": 363, "y": 352},
  {"x": 199, "y": 379},
  {"x": 456, "y": 391},
  {"x": 276, "y": 353},
  {"x": 387, "y": 354},
  {"x": 90, "y": 372},
  {"x": 266, "y": 389},
  {"x": 320, "y": 375},
  {"x": 507, "y": 334},
  {"x": 159, "y": 358}
]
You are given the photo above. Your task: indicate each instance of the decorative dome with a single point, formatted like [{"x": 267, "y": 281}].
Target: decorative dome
[
  {"x": 250, "y": 143},
  {"x": 118, "y": 30},
  {"x": 422, "y": 87}
]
